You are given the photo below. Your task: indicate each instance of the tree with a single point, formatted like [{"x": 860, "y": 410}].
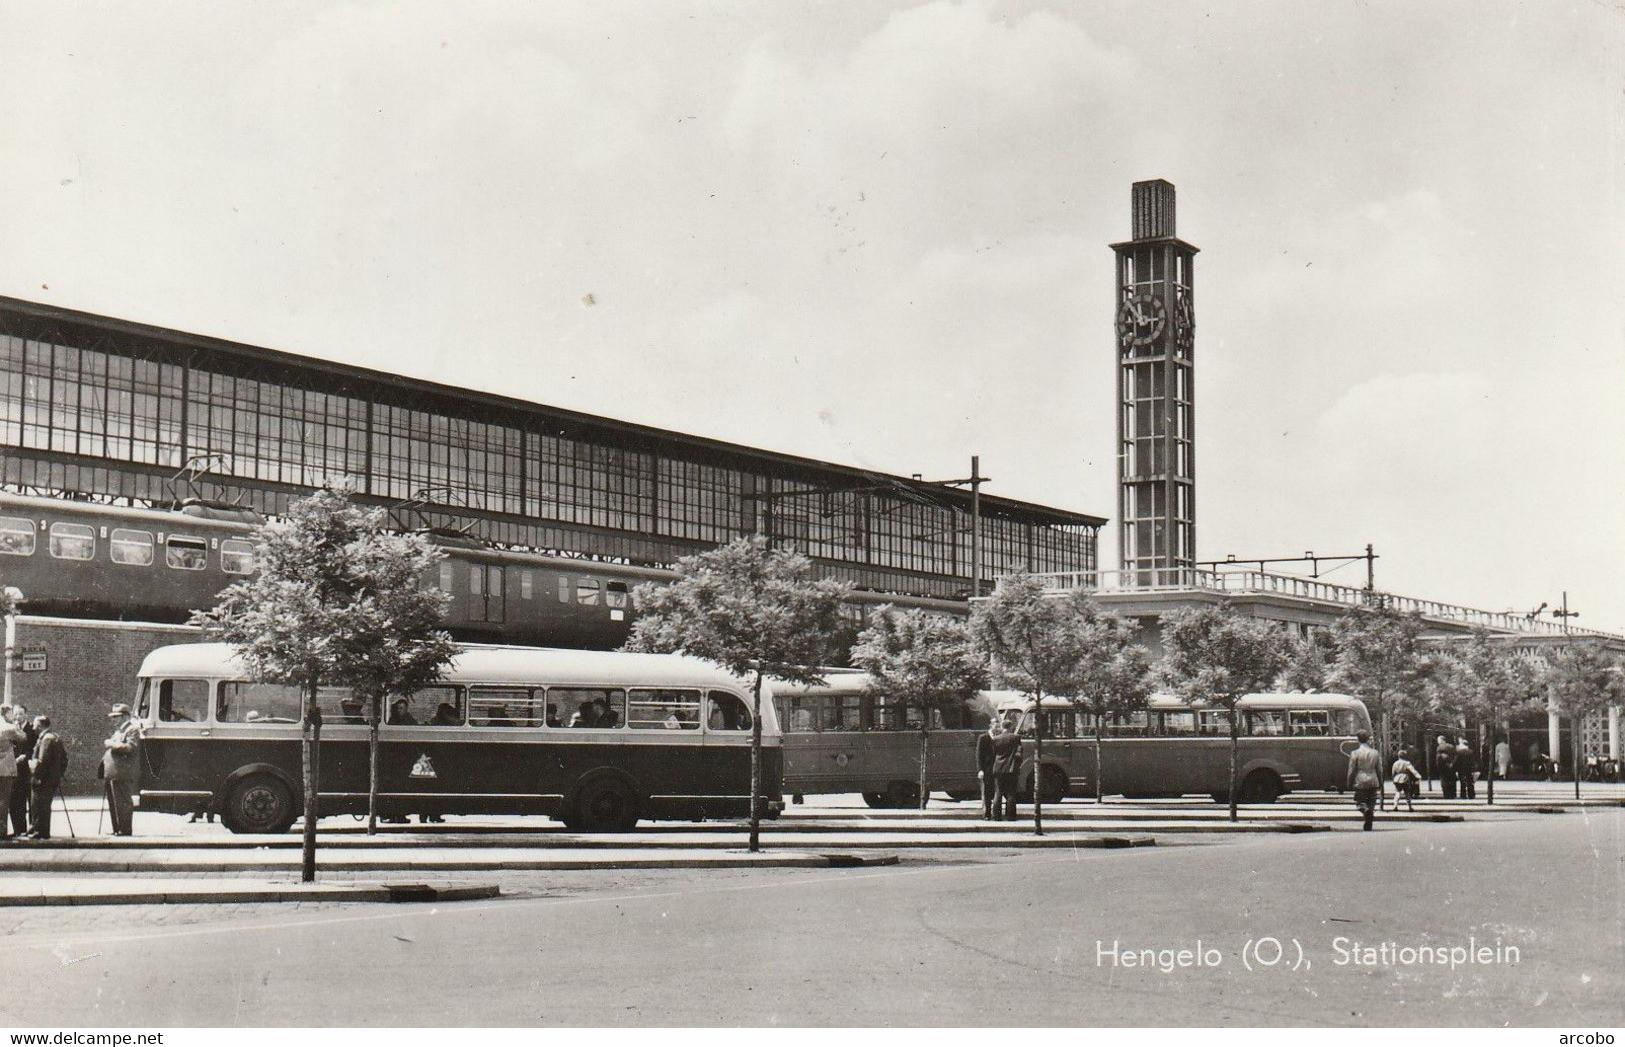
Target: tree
[
  {"x": 336, "y": 601},
  {"x": 1581, "y": 679},
  {"x": 754, "y": 611},
  {"x": 1036, "y": 641},
  {"x": 1215, "y": 656},
  {"x": 1380, "y": 661},
  {"x": 1309, "y": 661},
  {"x": 920, "y": 660},
  {"x": 1490, "y": 684},
  {"x": 1113, "y": 677}
]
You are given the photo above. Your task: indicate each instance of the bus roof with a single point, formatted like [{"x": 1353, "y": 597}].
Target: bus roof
[
  {"x": 1169, "y": 703},
  {"x": 487, "y": 664}
]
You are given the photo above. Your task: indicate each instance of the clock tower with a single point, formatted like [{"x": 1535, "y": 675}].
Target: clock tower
[{"x": 1156, "y": 327}]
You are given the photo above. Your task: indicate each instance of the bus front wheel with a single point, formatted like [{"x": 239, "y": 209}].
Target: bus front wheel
[
  {"x": 261, "y": 804},
  {"x": 605, "y": 803},
  {"x": 903, "y": 795},
  {"x": 876, "y": 800}
]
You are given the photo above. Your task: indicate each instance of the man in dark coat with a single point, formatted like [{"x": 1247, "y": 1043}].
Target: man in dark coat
[
  {"x": 1466, "y": 770},
  {"x": 1006, "y": 769},
  {"x": 50, "y": 764},
  {"x": 23, "y": 754},
  {"x": 1444, "y": 765},
  {"x": 984, "y": 768}
]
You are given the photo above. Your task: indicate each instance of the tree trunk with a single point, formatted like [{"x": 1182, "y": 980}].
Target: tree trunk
[
  {"x": 1574, "y": 732},
  {"x": 756, "y": 766},
  {"x": 310, "y": 756},
  {"x": 1038, "y": 763},
  {"x": 1100, "y": 786},
  {"x": 1235, "y": 754},
  {"x": 925, "y": 753},
  {"x": 374, "y": 714}
]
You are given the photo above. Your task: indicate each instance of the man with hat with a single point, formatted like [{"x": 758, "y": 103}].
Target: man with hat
[{"x": 119, "y": 767}]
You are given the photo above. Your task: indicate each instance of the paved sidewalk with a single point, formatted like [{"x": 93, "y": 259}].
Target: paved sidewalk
[{"x": 108, "y": 890}]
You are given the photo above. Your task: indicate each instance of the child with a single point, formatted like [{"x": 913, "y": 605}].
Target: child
[{"x": 1407, "y": 781}]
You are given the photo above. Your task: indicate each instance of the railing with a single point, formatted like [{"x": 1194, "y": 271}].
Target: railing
[{"x": 1235, "y": 583}]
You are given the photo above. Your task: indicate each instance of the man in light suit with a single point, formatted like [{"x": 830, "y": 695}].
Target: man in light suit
[{"x": 119, "y": 766}]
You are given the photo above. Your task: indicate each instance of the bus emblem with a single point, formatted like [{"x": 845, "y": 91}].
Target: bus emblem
[{"x": 424, "y": 768}]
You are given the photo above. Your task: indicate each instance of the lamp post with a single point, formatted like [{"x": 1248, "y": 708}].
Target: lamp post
[{"x": 13, "y": 598}]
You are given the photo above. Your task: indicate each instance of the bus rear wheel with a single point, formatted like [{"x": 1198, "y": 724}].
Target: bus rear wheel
[
  {"x": 1053, "y": 783},
  {"x": 605, "y": 803},
  {"x": 903, "y": 795},
  {"x": 261, "y": 804},
  {"x": 875, "y": 800},
  {"x": 1260, "y": 787}
]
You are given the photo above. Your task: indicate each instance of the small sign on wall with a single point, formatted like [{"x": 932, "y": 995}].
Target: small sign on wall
[{"x": 31, "y": 660}]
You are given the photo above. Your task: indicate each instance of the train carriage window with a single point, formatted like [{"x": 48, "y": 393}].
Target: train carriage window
[
  {"x": 526, "y": 584},
  {"x": 506, "y": 707},
  {"x": 131, "y": 547},
  {"x": 447, "y": 581},
  {"x": 476, "y": 580},
  {"x": 615, "y": 595},
  {"x": 236, "y": 556},
  {"x": 16, "y": 536},
  {"x": 564, "y": 588},
  {"x": 1268, "y": 723},
  {"x": 186, "y": 554},
  {"x": 71, "y": 541},
  {"x": 183, "y": 701},
  {"x": 663, "y": 709},
  {"x": 587, "y": 591},
  {"x": 1309, "y": 723},
  {"x": 728, "y": 712}
]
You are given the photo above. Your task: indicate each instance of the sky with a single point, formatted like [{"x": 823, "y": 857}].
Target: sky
[{"x": 877, "y": 234}]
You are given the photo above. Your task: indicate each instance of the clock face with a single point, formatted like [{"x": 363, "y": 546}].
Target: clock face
[
  {"x": 1184, "y": 320},
  {"x": 1140, "y": 318}
]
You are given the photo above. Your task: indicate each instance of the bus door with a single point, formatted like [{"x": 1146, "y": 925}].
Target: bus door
[{"x": 175, "y": 714}]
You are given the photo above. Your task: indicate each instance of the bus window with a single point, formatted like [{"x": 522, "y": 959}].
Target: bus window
[
  {"x": 841, "y": 712},
  {"x": 142, "y": 703},
  {"x": 663, "y": 709},
  {"x": 1060, "y": 723},
  {"x": 1178, "y": 723},
  {"x": 183, "y": 701},
  {"x": 728, "y": 712},
  {"x": 236, "y": 556},
  {"x": 798, "y": 713},
  {"x": 892, "y": 716},
  {"x": 505, "y": 707},
  {"x": 588, "y": 706},
  {"x": 1312, "y": 723},
  {"x": 1269, "y": 723},
  {"x": 1213, "y": 721},
  {"x": 71, "y": 541},
  {"x": 439, "y": 706},
  {"x": 16, "y": 536},
  {"x": 131, "y": 547},
  {"x": 1352, "y": 721},
  {"x": 186, "y": 554},
  {"x": 240, "y": 702}
]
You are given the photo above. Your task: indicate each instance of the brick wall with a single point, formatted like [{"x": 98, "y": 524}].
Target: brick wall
[{"x": 88, "y": 666}]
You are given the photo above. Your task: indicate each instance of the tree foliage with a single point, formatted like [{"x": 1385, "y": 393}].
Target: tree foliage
[
  {"x": 1581, "y": 679},
  {"x": 923, "y": 660},
  {"x": 1038, "y": 642},
  {"x": 336, "y": 600},
  {"x": 1215, "y": 656},
  {"x": 1380, "y": 661},
  {"x": 751, "y": 609}
]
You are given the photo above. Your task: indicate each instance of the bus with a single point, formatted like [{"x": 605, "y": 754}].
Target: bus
[
  {"x": 597, "y": 740},
  {"x": 1290, "y": 742},
  {"x": 841, "y": 737}
]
